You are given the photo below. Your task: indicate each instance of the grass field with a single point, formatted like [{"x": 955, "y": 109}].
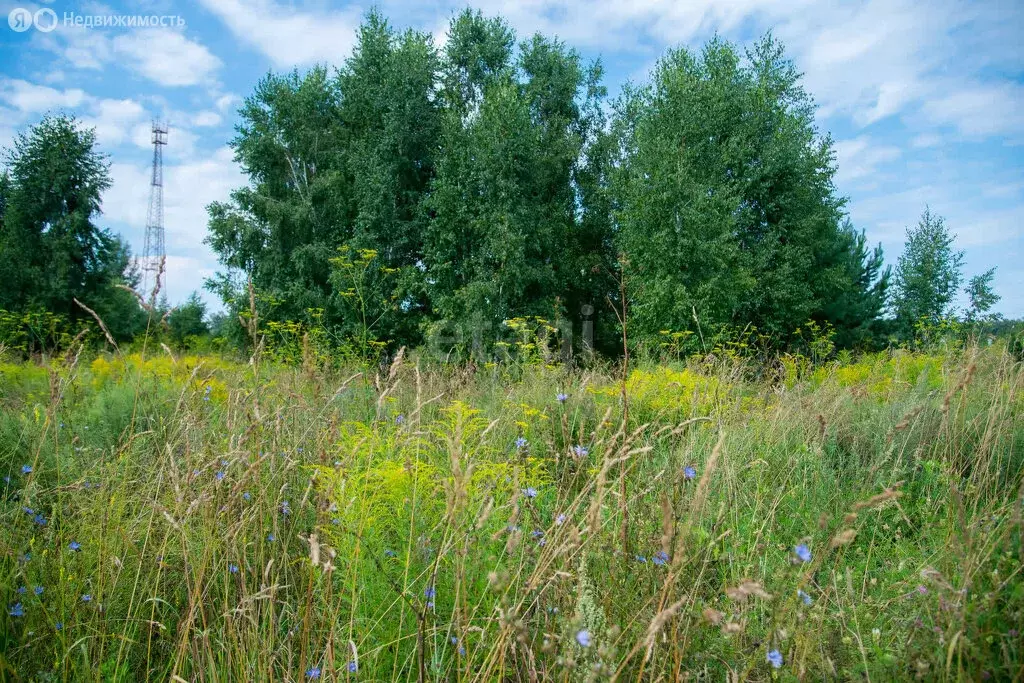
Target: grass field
[{"x": 203, "y": 519}]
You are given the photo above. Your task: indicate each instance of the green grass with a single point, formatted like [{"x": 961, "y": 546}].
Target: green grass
[{"x": 290, "y": 519}]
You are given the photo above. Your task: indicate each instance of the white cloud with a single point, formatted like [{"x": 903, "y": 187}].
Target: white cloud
[
  {"x": 167, "y": 57},
  {"x": 113, "y": 120},
  {"x": 225, "y": 102},
  {"x": 206, "y": 118},
  {"x": 861, "y": 157},
  {"x": 981, "y": 109},
  {"x": 162, "y": 55},
  {"x": 289, "y": 37},
  {"x": 30, "y": 98}
]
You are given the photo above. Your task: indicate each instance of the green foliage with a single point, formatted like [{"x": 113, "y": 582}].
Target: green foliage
[
  {"x": 186, "y": 322},
  {"x": 981, "y": 297},
  {"x": 927, "y": 276},
  {"x": 51, "y": 250},
  {"x": 726, "y": 204}
]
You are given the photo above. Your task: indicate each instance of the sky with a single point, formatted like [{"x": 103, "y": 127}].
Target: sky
[{"x": 924, "y": 101}]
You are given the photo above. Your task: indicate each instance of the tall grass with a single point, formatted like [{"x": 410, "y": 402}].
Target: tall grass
[{"x": 199, "y": 519}]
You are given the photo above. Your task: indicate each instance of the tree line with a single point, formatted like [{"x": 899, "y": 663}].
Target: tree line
[{"x": 416, "y": 192}]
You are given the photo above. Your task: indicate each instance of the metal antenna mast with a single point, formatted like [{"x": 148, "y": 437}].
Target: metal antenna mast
[{"x": 154, "y": 256}]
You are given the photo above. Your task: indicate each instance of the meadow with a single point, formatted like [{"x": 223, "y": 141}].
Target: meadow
[{"x": 201, "y": 518}]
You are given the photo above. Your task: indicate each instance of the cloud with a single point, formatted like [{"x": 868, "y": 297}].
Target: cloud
[
  {"x": 113, "y": 120},
  {"x": 206, "y": 118},
  {"x": 225, "y": 102},
  {"x": 162, "y": 55},
  {"x": 287, "y": 36},
  {"x": 861, "y": 157},
  {"x": 167, "y": 57},
  {"x": 30, "y": 98},
  {"x": 980, "y": 110}
]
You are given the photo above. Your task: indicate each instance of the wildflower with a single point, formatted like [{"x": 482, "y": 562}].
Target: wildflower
[
  {"x": 399, "y": 419},
  {"x": 922, "y": 590},
  {"x": 26, "y": 469},
  {"x": 521, "y": 442},
  {"x": 560, "y": 520},
  {"x": 21, "y": 590},
  {"x": 299, "y": 449},
  {"x": 86, "y": 598},
  {"x": 28, "y": 511},
  {"x": 536, "y": 533},
  {"x": 804, "y": 596},
  {"x": 39, "y": 519},
  {"x": 803, "y": 553},
  {"x": 689, "y": 472},
  {"x": 285, "y": 509},
  {"x": 353, "y": 667},
  {"x": 233, "y": 568},
  {"x": 641, "y": 559},
  {"x": 580, "y": 451},
  {"x": 429, "y": 592},
  {"x": 562, "y": 398},
  {"x": 313, "y": 672},
  {"x": 59, "y": 626},
  {"x": 660, "y": 558},
  {"x": 389, "y": 553},
  {"x": 16, "y": 610},
  {"x": 774, "y": 658},
  {"x": 530, "y": 492},
  {"x": 75, "y": 546},
  {"x": 219, "y": 475},
  {"x": 583, "y": 638},
  {"x": 38, "y": 590},
  {"x": 247, "y": 496}
]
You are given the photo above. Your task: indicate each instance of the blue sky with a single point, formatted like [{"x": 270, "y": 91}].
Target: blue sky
[{"x": 924, "y": 100}]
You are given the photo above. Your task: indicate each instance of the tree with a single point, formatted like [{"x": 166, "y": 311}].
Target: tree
[
  {"x": 928, "y": 275},
  {"x": 333, "y": 162},
  {"x": 725, "y": 204},
  {"x": 981, "y": 297},
  {"x": 51, "y": 250},
  {"x": 187, "y": 320},
  {"x": 507, "y": 236}
]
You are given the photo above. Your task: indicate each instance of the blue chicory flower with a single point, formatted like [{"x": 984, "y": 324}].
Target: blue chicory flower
[{"x": 802, "y": 552}]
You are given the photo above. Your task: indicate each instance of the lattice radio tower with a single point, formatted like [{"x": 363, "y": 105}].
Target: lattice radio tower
[{"x": 154, "y": 256}]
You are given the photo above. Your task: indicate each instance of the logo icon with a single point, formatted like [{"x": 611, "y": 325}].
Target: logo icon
[
  {"x": 20, "y": 19},
  {"x": 46, "y": 20}
]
